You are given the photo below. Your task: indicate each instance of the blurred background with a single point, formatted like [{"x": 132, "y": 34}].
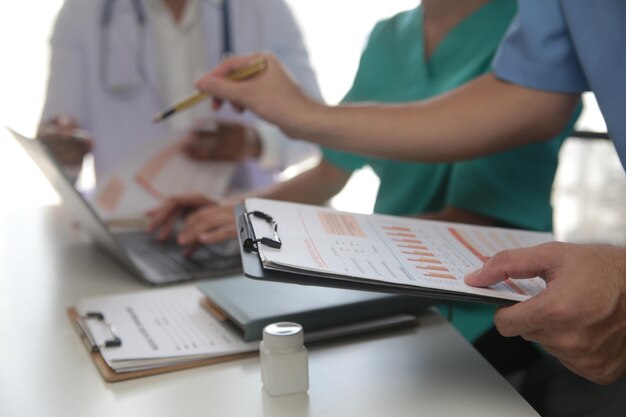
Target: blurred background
[{"x": 589, "y": 192}]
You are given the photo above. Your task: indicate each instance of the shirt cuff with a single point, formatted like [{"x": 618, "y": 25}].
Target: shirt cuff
[
  {"x": 271, "y": 142},
  {"x": 72, "y": 172}
]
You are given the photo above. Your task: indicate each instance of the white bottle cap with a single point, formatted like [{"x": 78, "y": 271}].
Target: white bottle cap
[{"x": 283, "y": 336}]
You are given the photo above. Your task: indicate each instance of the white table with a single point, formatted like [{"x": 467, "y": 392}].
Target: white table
[{"x": 46, "y": 266}]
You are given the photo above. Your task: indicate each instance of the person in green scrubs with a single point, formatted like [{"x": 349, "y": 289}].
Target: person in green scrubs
[{"x": 416, "y": 55}]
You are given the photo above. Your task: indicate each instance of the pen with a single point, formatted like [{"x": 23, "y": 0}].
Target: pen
[{"x": 253, "y": 68}]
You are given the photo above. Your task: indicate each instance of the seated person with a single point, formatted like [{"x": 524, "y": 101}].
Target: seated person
[
  {"x": 115, "y": 65},
  {"x": 416, "y": 55}
]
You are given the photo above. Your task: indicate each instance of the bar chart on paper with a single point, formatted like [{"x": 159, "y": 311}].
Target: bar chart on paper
[
  {"x": 444, "y": 255},
  {"x": 382, "y": 249},
  {"x": 418, "y": 252}
]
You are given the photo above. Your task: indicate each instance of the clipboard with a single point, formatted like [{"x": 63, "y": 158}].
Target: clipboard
[
  {"x": 380, "y": 325},
  {"x": 109, "y": 375},
  {"x": 253, "y": 268}
]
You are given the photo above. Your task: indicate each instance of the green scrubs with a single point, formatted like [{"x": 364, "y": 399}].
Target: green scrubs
[{"x": 512, "y": 187}]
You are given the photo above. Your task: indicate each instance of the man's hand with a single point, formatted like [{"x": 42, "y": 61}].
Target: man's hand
[
  {"x": 232, "y": 142},
  {"x": 163, "y": 218},
  {"x": 67, "y": 143},
  {"x": 580, "y": 317}
]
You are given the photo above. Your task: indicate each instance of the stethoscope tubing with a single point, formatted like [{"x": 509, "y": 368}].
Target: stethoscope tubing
[{"x": 139, "y": 78}]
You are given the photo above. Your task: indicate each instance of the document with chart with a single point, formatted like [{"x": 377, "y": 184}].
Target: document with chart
[{"x": 388, "y": 251}]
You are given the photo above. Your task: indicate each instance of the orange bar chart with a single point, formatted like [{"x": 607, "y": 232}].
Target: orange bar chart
[
  {"x": 413, "y": 241},
  {"x": 425, "y": 260},
  {"x": 418, "y": 253},
  {"x": 465, "y": 242},
  {"x": 401, "y": 234},
  {"x": 509, "y": 283},
  {"x": 418, "y": 247},
  {"x": 433, "y": 268},
  {"x": 397, "y": 228},
  {"x": 439, "y": 275}
]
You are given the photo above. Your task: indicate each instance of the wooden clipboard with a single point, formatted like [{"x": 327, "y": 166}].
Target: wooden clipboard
[{"x": 109, "y": 375}]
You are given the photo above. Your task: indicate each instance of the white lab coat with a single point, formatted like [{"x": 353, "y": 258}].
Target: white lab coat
[{"x": 120, "y": 124}]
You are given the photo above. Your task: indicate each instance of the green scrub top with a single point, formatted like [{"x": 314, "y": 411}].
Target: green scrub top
[{"x": 512, "y": 187}]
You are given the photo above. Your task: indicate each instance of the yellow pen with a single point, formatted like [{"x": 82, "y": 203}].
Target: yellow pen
[{"x": 253, "y": 68}]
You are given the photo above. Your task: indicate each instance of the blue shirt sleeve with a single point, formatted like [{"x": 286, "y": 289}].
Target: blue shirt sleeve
[{"x": 538, "y": 51}]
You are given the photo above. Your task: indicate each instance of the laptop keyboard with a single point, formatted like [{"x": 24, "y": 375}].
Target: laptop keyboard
[{"x": 168, "y": 259}]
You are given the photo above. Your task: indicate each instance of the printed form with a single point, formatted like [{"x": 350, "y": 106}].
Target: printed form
[
  {"x": 160, "y": 328},
  {"x": 389, "y": 249}
]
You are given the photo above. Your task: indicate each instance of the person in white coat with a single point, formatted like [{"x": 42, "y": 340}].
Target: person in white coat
[{"x": 116, "y": 63}]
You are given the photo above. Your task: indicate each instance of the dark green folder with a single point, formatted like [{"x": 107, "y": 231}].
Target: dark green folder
[{"x": 251, "y": 305}]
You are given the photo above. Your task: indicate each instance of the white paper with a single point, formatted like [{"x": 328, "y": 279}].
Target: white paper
[
  {"x": 159, "y": 328},
  {"x": 144, "y": 178},
  {"x": 389, "y": 249}
]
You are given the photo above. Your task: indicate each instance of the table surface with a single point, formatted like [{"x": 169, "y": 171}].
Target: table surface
[{"x": 46, "y": 265}]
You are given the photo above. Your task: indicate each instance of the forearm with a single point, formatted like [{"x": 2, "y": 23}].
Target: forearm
[
  {"x": 483, "y": 117},
  {"x": 279, "y": 152},
  {"x": 458, "y": 215},
  {"x": 315, "y": 186}
]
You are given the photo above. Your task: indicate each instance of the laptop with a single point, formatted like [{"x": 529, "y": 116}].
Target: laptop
[{"x": 150, "y": 260}]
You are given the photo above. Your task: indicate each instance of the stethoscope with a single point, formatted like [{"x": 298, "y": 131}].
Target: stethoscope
[{"x": 139, "y": 78}]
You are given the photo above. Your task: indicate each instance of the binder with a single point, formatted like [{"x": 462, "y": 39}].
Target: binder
[
  {"x": 251, "y": 305},
  {"x": 253, "y": 266}
]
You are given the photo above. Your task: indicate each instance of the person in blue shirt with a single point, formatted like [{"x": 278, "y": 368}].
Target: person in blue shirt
[{"x": 554, "y": 50}]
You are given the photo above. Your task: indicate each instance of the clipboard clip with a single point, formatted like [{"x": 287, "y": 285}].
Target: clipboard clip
[
  {"x": 250, "y": 242},
  {"x": 113, "y": 341}
]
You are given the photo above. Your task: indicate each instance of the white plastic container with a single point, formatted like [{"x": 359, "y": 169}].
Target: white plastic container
[{"x": 284, "y": 359}]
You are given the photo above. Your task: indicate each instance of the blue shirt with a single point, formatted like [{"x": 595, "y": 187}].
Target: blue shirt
[{"x": 571, "y": 46}]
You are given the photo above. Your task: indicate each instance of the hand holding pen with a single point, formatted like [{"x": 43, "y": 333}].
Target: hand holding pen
[
  {"x": 247, "y": 70},
  {"x": 273, "y": 95}
]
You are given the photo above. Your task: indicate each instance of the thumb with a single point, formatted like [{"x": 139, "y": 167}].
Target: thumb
[{"x": 515, "y": 263}]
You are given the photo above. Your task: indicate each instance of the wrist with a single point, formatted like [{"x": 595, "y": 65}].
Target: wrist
[{"x": 310, "y": 120}]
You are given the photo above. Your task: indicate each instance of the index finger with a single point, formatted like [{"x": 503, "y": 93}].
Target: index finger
[
  {"x": 515, "y": 263},
  {"x": 229, "y": 65}
]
